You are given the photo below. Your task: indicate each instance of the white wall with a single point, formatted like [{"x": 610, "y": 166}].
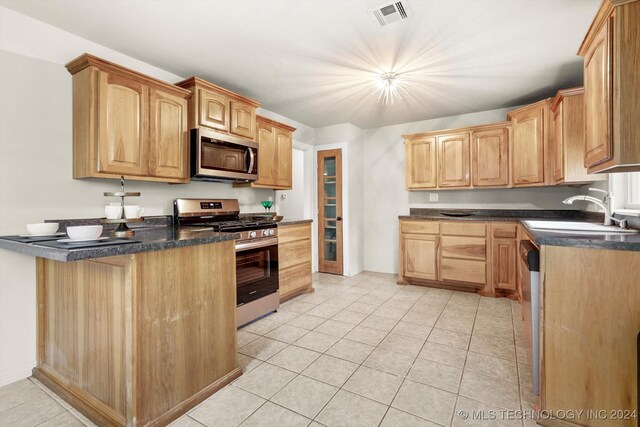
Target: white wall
[
  {"x": 385, "y": 196},
  {"x": 36, "y": 165}
]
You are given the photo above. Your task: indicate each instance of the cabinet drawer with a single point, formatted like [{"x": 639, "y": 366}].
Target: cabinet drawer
[
  {"x": 464, "y": 271},
  {"x": 294, "y": 278},
  {"x": 464, "y": 229},
  {"x": 504, "y": 230},
  {"x": 294, "y": 253},
  {"x": 291, "y": 233},
  {"x": 464, "y": 247},
  {"x": 419, "y": 227}
]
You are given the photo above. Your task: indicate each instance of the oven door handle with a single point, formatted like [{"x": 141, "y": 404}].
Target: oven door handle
[
  {"x": 252, "y": 159},
  {"x": 254, "y": 244}
]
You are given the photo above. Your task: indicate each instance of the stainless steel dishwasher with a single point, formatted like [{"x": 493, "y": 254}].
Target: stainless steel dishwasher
[{"x": 530, "y": 268}]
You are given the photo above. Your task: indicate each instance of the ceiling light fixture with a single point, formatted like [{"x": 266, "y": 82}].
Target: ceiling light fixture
[{"x": 390, "y": 86}]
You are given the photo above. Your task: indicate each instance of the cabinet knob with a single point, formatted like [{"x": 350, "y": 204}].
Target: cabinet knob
[{"x": 339, "y": 218}]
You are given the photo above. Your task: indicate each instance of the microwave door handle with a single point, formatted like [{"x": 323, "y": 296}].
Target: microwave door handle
[{"x": 252, "y": 159}]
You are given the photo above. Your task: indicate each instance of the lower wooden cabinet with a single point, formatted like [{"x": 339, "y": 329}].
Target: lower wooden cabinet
[
  {"x": 294, "y": 260},
  {"x": 468, "y": 255},
  {"x": 504, "y": 250},
  {"x": 445, "y": 252}
]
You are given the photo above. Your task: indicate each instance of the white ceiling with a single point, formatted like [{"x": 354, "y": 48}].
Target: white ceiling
[{"x": 312, "y": 60}]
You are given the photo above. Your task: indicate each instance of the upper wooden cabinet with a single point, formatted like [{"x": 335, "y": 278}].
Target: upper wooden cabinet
[
  {"x": 454, "y": 165},
  {"x": 530, "y": 143},
  {"x": 275, "y": 155},
  {"x": 611, "y": 51},
  {"x": 215, "y": 107},
  {"x": 126, "y": 123},
  {"x": 567, "y": 138},
  {"x": 420, "y": 163},
  {"x": 490, "y": 155}
]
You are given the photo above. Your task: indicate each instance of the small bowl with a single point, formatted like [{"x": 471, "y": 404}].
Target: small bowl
[
  {"x": 84, "y": 232},
  {"x": 42, "y": 228}
]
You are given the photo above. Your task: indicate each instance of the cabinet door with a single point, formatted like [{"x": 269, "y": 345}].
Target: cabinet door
[
  {"x": 490, "y": 157},
  {"x": 597, "y": 101},
  {"x": 123, "y": 126},
  {"x": 528, "y": 148},
  {"x": 420, "y": 163},
  {"x": 284, "y": 150},
  {"x": 420, "y": 256},
  {"x": 214, "y": 110},
  {"x": 267, "y": 154},
  {"x": 168, "y": 144},
  {"x": 558, "y": 145},
  {"x": 504, "y": 263},
  {"x": 243, "y": 119},
  {"x": 454, "y": 160}
]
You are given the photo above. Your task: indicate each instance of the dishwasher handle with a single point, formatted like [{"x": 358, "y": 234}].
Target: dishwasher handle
[{"x": 530, "y": 255}]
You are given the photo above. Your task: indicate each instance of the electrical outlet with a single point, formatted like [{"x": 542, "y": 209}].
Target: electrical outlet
[{"x": 433, "y": 197}]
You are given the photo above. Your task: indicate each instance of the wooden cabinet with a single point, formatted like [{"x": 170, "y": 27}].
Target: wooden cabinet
[
  {"x": 567, "y": 139},
  {"x": 454, "y": 160},
  {"x": 275, "y": 155},
  {"x": 452, "y": 253},
  {"x": 138, "y": 339},
  {"x": 611, "y": 50},
  {"x": 504, "y": 249},
  {"x": 125, "y": 123},
  {"x": 420, "y": 256},
  {"x": 217, "y": 108},
  {"x": 530, "y": 143},
  {"x": 420, "y": 163},
  {"x": 490, "y": 154},
  {"x": 212, "y": 110},
  {"x": 294, "y": 260},
  {"x": 168, "y": 121}
]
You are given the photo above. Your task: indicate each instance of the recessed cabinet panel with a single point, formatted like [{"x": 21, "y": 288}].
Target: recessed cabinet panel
[
  {"x": 454, "y": 160},
  {"x": 123, "y": 118},
  {"x": 491, "y": 157},
  {"x": 214, "y": 110},
  {"x": 558, "y": 145},
  {"x": 266, "y": 155},
  {"x": 243, "y": 119},
  {"x": 168, "y": 145},
  {"x": 504, "y": 263},
  {"x": 528, "y": 154},
  {"x": 420, "y": 255},
  {"x": 421, "y": 167},
  {"x": 284, "y": 158},
  {"x": 597, "y": 70}
]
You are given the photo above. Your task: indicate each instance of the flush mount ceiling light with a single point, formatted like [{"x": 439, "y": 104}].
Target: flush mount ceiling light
[{"x": 390, "y": 86}]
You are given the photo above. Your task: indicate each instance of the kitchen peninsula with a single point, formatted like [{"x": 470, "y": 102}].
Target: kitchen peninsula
[{"x": 137, "y": 334}]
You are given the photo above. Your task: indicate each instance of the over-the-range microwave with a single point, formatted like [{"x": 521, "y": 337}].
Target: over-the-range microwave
[{"x": 220, "y": 157}]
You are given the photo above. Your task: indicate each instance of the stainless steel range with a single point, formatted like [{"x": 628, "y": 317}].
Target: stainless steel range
[{"x": 256, "y": 251}]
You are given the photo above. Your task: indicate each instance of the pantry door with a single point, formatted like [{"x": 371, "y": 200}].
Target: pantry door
[{"x": 330, "y": 211}]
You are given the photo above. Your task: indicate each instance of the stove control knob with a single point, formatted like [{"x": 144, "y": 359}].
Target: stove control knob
[
  {"x": 252, "y": 234},
  {"x": 265, "y": 232},
  {"x": 272, "y": 232}
]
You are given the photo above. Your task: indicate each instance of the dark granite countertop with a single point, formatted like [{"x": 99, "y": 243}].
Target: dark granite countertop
[
  {"x": 155, "y": 238},
  {"x": 294, "y": 222},
  {"x": 613, "y": 241}
]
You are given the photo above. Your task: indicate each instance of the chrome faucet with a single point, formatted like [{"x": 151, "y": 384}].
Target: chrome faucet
[{"x": 606, "y": 204}]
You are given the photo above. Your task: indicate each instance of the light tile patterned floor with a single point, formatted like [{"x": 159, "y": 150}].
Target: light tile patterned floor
[{"x": 360, "y": 351}]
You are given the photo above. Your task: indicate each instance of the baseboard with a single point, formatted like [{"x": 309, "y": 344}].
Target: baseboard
[{"x": 17, "y": 372}]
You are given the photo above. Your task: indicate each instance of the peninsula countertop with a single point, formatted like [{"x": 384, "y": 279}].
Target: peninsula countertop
[
  {"x": 611, "y": 241},
  {"x": 148, "y": 239}
]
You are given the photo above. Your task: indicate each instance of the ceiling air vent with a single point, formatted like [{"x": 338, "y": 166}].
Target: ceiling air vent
[{"x": 388, "y": 13}]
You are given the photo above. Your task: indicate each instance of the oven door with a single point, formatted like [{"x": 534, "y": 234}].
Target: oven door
[
  {"x": 221, "y": 157},
  {"x": 256, "y": 269}
]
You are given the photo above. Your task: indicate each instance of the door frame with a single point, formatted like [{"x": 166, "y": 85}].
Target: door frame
[{"x": 345, "y": 202}]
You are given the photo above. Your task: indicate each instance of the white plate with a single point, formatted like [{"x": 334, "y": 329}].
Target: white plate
[
  {"x": 82, "y": 240},
  {"x": 42, "y": 235}
]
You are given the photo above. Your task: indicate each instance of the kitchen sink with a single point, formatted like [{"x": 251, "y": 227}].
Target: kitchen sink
[{"x": 576, "y": 227}]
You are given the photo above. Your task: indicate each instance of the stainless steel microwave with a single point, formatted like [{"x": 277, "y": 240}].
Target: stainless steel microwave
[{"x": 220, "y": 157}]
